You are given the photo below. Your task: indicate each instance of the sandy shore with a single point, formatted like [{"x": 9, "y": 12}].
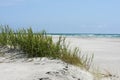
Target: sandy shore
[{"x": 106, "y": 51}]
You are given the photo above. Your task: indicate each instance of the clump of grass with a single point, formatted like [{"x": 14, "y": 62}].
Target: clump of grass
[
  {"x": 41, "y": 45},
  {"x": 78, "y": 60},
  {"x": 74, "y": 56}
]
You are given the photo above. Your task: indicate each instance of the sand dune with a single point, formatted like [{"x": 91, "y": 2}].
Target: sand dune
[{"x": 107, "y": 57}]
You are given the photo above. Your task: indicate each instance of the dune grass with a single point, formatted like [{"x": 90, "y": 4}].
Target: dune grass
[{"x": 42, "y": 45}]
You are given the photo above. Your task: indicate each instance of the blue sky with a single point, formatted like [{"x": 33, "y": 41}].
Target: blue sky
[{"x": 62, "y": 16}]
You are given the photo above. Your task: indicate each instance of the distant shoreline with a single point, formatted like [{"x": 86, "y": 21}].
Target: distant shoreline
[{"x": 86, "y": 35}]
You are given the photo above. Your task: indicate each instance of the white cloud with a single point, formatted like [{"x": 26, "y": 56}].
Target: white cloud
[{"x": 10, "y": 2}]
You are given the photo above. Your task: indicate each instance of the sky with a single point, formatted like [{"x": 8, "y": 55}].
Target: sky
[{"x": 62, "y": 16}]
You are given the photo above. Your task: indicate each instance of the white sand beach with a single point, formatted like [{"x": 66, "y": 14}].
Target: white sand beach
[
  {"x": 106, "y": 56},
  {"x": 106, "y": 51}
]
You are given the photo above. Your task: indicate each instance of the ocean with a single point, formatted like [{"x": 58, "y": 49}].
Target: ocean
[{"x": 84, "y": 35}]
